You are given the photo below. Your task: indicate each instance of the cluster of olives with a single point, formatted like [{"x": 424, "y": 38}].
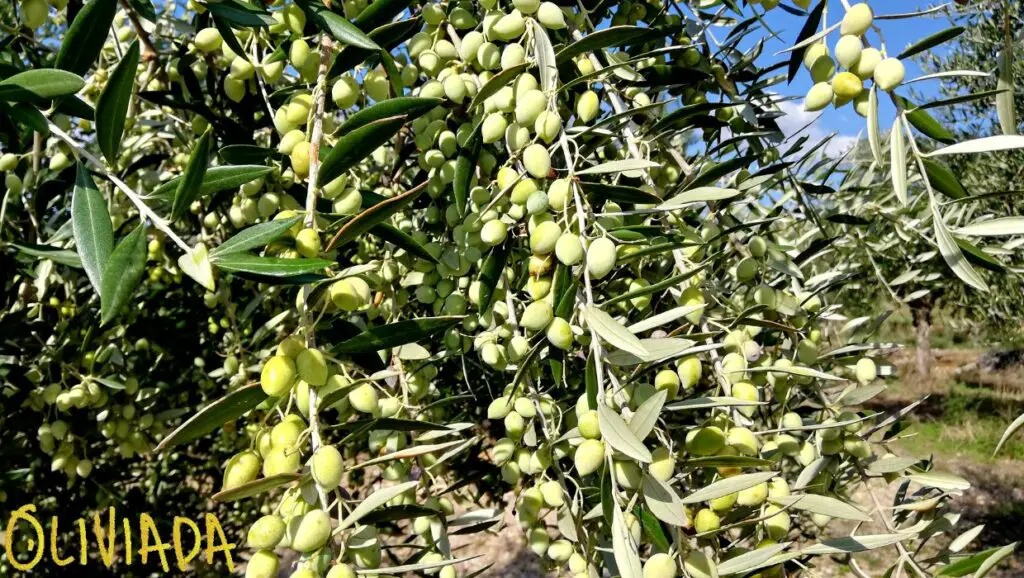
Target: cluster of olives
[{"x": 858, "y": 62}]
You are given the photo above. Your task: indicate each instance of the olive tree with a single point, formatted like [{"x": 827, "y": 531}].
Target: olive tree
[{"x": 452, "y": 249}]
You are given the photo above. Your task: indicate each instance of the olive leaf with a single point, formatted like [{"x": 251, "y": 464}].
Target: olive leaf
[
  {"x": 395, "y": 334},
  {"x": 228, "y": 408},
  {"x": 112, "y": 105},
  {"x": 255, "y": 488},
  {"x": 254, "y": 237},
  {"x": 189, "y": 186},
  {"x": 86, "y": 35},
  {"x": 94, "y": 235},
  {"x": 727, "y": 486},
  {"x": 39, "y": 84},
  {"x": 122, "y": 273},
  {"x": 618, "y": 435}
]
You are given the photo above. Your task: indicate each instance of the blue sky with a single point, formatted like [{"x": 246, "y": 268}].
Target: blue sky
[{"x": 898, "y": 35}]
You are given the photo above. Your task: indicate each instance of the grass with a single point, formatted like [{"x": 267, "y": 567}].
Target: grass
[{"x": 966, "y": 423}]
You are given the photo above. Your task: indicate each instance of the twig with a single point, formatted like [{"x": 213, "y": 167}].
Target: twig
[
  {"x": 319, "y": 95},
  {"x": 143, "y": 209}
]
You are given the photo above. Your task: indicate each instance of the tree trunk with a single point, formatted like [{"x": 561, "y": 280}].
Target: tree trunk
[{"x": 923, "y": 321}]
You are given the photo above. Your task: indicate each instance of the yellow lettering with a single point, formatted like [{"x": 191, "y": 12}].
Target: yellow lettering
[
  {"x": 213, "y": 524},
  {"x": 83, "y": 543},
  {"x": 54, "y": 551},
  {"x": 196, "y": 545},
  {"x": 127, "y": 541},
  {"x": 25, "y": 513},
  {"x": 147, "y": 527},
  {"x": 106, "y": 550}
]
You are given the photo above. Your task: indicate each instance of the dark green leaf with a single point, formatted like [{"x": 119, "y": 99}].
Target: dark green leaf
[
  {"x": 39, "y": 84},
  {"x": 396, "y": 513},
  {"x": 357, "y": 145},
  {"x": 607, "y": 38},
  {"x": 190, "y": 183},
  {"x": 411, "y": 107},
  {"x": 122, "y": 273},
  {"x": 229, "y": 37},
  {"x": 270, "y": 266},
  {"x": 392, "y": 424},
  {"x": 254, "y": 236},
  {"x": 654, "y": 531},
  {"x": 387, "y": 36},
  {"x": 395, "y": 334},
  {"x": 240, "y": 14},
  {"x": 228, "y": 408},
  {"x": 926, "y": 123},
  {"x": 380, "y": 12},
  {"x": 490, "y": 274},
  {"x": 402, "y": 240},
  {"x": 978, "y": 257},
  {"x": 619, "y": 193},
  {"x": 373, "y": 216},
  {"x": 255, "y": 488},
  {"x": 94, "y": 235},
  {"x": 796, "y": 58},
  {"x": 968, "y": 565},
  {"x": 846, "y": 219},
  {"x": 55, "y": 254},
  {"x": 74, "y": 106},
  {"x": 112, "y": 105},
  {"x": 962, "y": 98},
  {"x": 943, "y": 180},
  {"x": 931, "y": 41},
  {"x": 215, "y": 180},
  {"x": 465, "y": 169},
  {"x": 29, "y": 116},
  {"x": 85, "y": 36},
  {"x": 334, "y": 24}
]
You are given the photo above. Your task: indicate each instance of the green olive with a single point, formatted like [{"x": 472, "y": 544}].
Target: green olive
[{"x": 278, "y": 375}]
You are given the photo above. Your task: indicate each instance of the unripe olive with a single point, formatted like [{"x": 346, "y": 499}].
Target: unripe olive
[
  {"x": 589, "y": 456},
  {"x": 326, "y": 466},
  {"x": 818, "y": 97},
  {"x": 866, "y": 370},
  {"x": 266, "y": 533},
  {"x": 587, "y": 106},
  {"x": 341, "y": 571},
  {"x": 558, "y": 194},
  {"x": 746, "y": 269},
  {"x": 8, "y": 162},
  {"x": 376, "y": 85},
  {"x": 823, "y": 69},
  {"x": 529, "y": 105},
  {"x": 663, "y": 464},
  {"x": 263, "y": 564},
  {"x": 499, "y": 408},
  {"x": 350, "y": 293},
  {"x": 364, "y": 399},
  {"x": 312, "y": 367},
  {"x": 706, "y": 520},
  {"x": 241, "y": 469},
  {"x": 493, "y": 128},
  {"x": 559, "y": 333},
  {"x": 307, "y": 243},
  {"x": 627, "y": 474},
  {"x": 300, "y": 159},
  {"x": 813, "y": 53},
  {"x": 548, "y": 125},
  {"x": 777, "y": 523},
  {"x": 83, "y": 468},
  {"x": 537, "y": 162},
  {"x": 455, "y": 88},
  {"x": 754, "y": 496},
  {"x": 857, "y": 447},
  {"x": 234, "y": 88},
  {"x": 553, "y": 494},
  {"x": 513, "y": 55},
  {"x": 847, "y": 85},
  {"x": 545, "y": 236},
  {"x": 588, "y": 425},
  {"x": 537, "y": 316},
  {"x": 869, "y": 59},
  {"x": 208, "y": 40},
  {"x": 848, "y": 51},
  {"x": 313, "y": 532},
  {"x": 743, "y": 441},
  {"x": 278, "y": 375},
  {"x": 889, "y": 74},
  {"x": 705, "y": 441},
  {"x": 601, "y": 257},
  {"x": 515, "y": 425},
  {"x": 345, "y": 92},
  {"x": 857, "y": 20},
  {"x": 494, "y": 233},
  {"x": 568, "y": 249},
  {"x": 660, "y": 565},
  {"x": 510, "y": 26},
  {"x": 280, "y": 460}
]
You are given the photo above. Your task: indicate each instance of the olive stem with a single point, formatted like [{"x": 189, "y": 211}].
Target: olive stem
[
  {"x": 319, "y": 96},
  {"x": 144, "y": 209}
]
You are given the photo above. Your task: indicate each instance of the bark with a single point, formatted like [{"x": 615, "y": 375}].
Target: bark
[{"x": 923, "y": 323}]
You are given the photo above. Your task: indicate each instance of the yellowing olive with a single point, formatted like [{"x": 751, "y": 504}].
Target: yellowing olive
[{"x": 278, "y": 375}]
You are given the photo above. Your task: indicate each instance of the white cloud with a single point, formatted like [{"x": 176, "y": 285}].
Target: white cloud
[{"x": 796, "y": 118}]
